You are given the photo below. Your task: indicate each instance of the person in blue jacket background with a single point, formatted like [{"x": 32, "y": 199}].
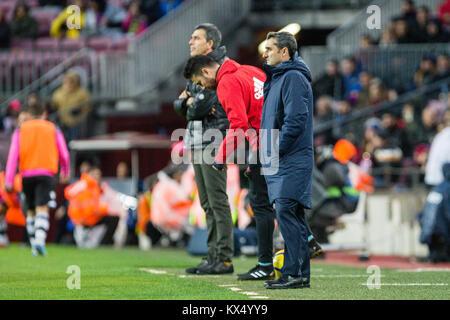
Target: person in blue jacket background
[{"x": 288, "y": 162}]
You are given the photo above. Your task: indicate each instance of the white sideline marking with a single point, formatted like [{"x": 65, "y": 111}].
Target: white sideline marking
[
  {"x": 226, "y": 285},
  {"x": 249, "y": 293},
  {"x": 410, "y": 284},
  {"x": 340, "y": 276},
  {"x": 235, "y": 289},
  {"x": 259, "y": 297},
  {"x": 154, "y": 271},
  {"x": 426, "y": 270}
]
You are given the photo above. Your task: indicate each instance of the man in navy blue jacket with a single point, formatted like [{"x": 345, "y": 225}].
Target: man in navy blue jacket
[{"x": 287, "y": 153}]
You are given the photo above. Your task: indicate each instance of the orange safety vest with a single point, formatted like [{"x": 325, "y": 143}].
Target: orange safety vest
[
  {"x": 38, "y": 149},
  {"x": 143, "y": 211},
  {"x": 14, "y": 214},
  {"x": 85, "y": 207}
]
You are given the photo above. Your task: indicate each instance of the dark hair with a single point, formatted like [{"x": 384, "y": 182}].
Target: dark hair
[
  {"x": 212, "y": 33},
  {"x": 284, "y": 40},
  {"x": 21, "y": 4},
  {"x": 195, "y": 64},
  {"x": 37, "y": 109}
]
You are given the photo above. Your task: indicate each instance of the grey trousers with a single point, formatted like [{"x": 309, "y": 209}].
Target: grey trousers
[{"x": 212, "y": 187}]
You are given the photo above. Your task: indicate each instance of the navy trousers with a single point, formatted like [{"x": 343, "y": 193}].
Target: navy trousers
[{"x": 293, "y": 227}]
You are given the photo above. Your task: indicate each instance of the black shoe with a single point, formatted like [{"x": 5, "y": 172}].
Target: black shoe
[
  {"x": 258, "y": 273},
  {"x": 219, "y": 267},
  {"x": 314, "y": 248},
  {"x": 205, "y": 264},
  {"x": 287, "y": 282}
]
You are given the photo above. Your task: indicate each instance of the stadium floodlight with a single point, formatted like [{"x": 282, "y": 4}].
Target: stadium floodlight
[{"x": 292, "y": 28}]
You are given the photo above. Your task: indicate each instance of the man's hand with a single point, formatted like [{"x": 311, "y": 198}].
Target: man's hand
[
  {"x": 213, "y": 110},
  {"x": 9, "y": 188},
  {"x": 184, "y": 95},
  {"x": 63, "y": 179},
  {"x": 189, "y": 101},
  {"x": 218, "y": 166}
]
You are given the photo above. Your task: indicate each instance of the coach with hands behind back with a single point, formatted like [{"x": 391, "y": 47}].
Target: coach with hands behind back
[{"x": 288, "y": 110}]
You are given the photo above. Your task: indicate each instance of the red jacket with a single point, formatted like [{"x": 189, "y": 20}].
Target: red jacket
[{"x": 240, "y": 91}]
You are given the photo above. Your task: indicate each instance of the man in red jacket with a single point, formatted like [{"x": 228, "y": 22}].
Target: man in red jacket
[{"x": 240, "y": 91}]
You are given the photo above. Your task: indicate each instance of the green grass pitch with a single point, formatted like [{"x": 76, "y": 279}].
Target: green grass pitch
[{"x": 130, "y": 274}]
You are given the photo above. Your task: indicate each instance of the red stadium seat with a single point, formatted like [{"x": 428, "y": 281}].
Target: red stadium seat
[
  {"x": 120, "y": 44},
  {"x": 100, "y": 43},
  {"x": 72, "y": 44},
  {"x": 47, "y": 44},
  {"x": 24, "y": 44},
  {"x": 44, "y": 18}
]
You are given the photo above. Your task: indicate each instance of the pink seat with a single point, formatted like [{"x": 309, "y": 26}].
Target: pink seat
[
  {"x": 72, "y": 44},
  {"x": 47, "y": 44},
  {"x": 44, "y": 19},
  {"x": 24, "y": 44},
  {"x": 120, "y": 44},
  {"x": 100, "y": 43}
]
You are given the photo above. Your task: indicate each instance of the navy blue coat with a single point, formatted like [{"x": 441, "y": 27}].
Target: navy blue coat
[{"x": 287, "y": 160}]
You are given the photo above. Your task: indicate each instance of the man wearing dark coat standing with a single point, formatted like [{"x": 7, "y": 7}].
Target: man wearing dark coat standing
[{"x": 287, "y": 119}]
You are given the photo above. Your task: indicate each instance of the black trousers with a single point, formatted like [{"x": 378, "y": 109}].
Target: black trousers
[{"x": 263, "y": 213}]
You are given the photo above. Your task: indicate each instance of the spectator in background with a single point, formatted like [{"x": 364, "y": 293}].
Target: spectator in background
[
  {"x": 444, "y": 14},
  {"x": 323, "y": 109},
  {"x": 11, "y": 118},
  {"x": 387, "y": 38},
  {"x": 350, "y": 75},
  {"x": 426, "y": 73},
  {"x": 151, "y": 10},
  {"x": 69, "y": 101},
  {"x": 104, "y": 18},
  {"x": 59, "y": 29},
  {"x": 135, "y": 23},
  {"x": 402, "y": 32},
  {"x": 408, "y": 12},
  {"x": 23, "y": 25},
  {"x": 378, "y": 92},
  {"x": 434, "y": 32},
  {"x": 410, "y": 124},
  {"x": 396, "y": 135},
  {"x": 122, "y": 170},
  {"x": 53, "y": 3},
  {"x": 419, "y": 28},
  {"x": 442, "y": 67},
  {"x": 324, "y": 113},
  {"x": 431, "y": 116},
  {"x": 165, "y": 6},
  {"x": 331, "y": 83},
  {"x": 365, "y": 42},
  {"x": 362, "y": 98},
  {"x": 5, "y": 32}
]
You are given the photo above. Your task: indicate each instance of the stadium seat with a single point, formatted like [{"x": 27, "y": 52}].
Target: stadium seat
[
  {"x": 47, "y": 44},
  {"x": 121, "y": 44},
  {"x": 44, "y": 19},
  {"x": 100, "y": 43},
  {"x": 24, "y": 44},
  {"x": 72, "y": 44}
]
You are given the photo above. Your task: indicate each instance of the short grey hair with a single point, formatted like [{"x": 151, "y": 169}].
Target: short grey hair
[
  {"x": 212, "y": 33},
  {"x": 284, "y": 40}
]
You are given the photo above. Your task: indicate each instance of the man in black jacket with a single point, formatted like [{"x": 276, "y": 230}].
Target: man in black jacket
[{"x": 203, "y": 111}]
